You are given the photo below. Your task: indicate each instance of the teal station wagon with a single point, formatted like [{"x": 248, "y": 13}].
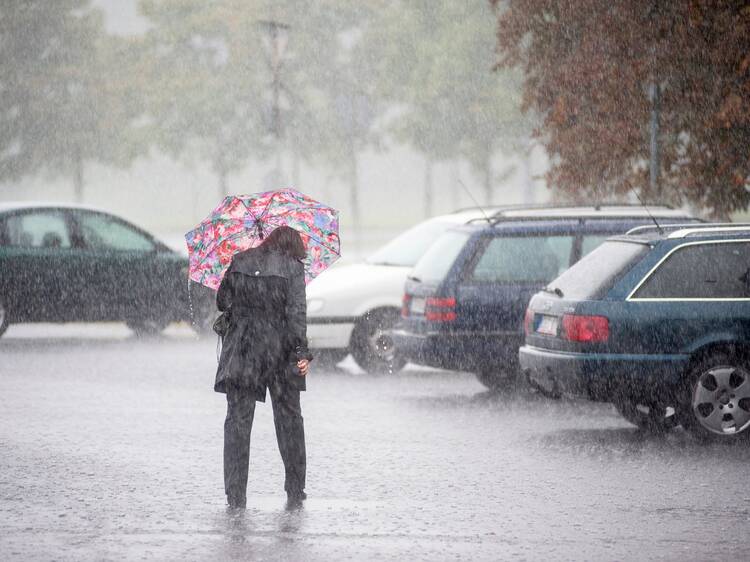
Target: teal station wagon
[{"x": 656, "y": 322}]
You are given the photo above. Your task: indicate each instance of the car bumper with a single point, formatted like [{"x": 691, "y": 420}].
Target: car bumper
[
  {"x": 601, "y": 376},
  {"x": 329, "y": 333},
  {"x": 467, "y": 352}
]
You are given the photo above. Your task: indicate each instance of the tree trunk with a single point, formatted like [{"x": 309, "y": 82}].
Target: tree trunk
[
  {"x": 354, "y": 198},
  {"x": 528, "y": 180},
  {"x": 295, "y": 169},
  {"x": 222, "y": 173},
  {"x": 456, "y": 185},
  {"x": 428, "y": 187},
  {"x": 488, "y": 179},
  {"x": 78, "y": 175}
]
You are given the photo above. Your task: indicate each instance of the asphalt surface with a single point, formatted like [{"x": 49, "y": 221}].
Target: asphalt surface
[{"x": 110, "y": 449}]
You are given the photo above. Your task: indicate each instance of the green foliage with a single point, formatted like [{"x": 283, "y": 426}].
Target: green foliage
[
  {"x": 63, "y": 100},
  {"x": 436, "y": 63},
  {"x": 201, "y": 72}
]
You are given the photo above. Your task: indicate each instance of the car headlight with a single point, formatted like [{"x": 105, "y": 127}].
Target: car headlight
[{"x": 314, "y": 305}]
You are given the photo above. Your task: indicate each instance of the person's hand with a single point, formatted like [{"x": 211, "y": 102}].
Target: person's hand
[{"x": 304, "y": 367}]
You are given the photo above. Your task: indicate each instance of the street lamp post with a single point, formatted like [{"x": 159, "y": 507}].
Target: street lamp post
[
  {"x": 277, "y": 38},
  {"x": 655, "y": 188}
]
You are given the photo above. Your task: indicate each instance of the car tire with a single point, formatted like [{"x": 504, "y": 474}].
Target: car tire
[
  {"x": 147, "y": 328},
  {"x": 715, "y": 399},
  {"x": 372, "y": 347},
  {"x": 202, "y": 320},
  {"x": 498, "y": 380},
  {"x": 202, "y": 311},
  {"x": 4, "y": 317},
  {"x": 329, "y": 358},
  {"x": 654, "y": 417}
]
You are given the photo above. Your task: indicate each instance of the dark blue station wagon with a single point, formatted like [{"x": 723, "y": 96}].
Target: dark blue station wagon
[
  {"x": 656, "y": 322},
  {"x": 465, "y": 299}
]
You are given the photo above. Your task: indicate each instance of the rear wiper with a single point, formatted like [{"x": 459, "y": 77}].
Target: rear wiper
[
  {"x": 412, "y": 278},
  {"x": 554, "y": 290}
]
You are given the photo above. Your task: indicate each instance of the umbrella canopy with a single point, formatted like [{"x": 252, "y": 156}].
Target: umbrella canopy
[{"x": 242, "y": 222}]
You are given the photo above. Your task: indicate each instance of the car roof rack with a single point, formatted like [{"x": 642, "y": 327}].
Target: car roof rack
[
  {"x": 546, "y": 211},
  {"x": 647, "y": 228},
  {"x": 604, "y": 210},
  {"x": 710, "y": 228}
]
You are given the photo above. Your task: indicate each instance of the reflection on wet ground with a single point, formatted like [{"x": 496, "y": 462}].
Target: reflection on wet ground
[{"x": 111, "y": 449}]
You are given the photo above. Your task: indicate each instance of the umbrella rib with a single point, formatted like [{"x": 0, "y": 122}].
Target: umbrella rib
[{"x": 270, "y": 200}]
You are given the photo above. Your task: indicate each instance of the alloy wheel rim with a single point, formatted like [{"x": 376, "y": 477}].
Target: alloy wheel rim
[
  {"x": 382, "y": 345},
  {"x": 721, "y": 400}
]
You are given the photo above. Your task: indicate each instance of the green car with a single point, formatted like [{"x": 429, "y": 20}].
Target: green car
[{"x": 65, "y": 263}]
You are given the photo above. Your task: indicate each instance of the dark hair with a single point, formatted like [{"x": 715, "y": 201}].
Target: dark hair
[{"x": 287, "y": 241}]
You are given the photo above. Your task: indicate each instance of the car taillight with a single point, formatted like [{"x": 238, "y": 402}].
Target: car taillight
[
  {"x": 528, "y": 321},
  {"x": 585, "y": 328},
  {"x": 440, "y": 309},
  {"x": 405, "y": 305}
]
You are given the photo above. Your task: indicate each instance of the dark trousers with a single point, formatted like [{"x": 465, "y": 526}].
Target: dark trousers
[{"x": 290, "y": 435}]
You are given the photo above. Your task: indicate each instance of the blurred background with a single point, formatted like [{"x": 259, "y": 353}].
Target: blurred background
[{"x": 388, "y": 111}]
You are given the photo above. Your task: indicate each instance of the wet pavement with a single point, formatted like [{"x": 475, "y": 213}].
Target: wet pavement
[{"x": 110, "y": 449}]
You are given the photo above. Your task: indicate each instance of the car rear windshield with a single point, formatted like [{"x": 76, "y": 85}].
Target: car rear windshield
[
  {"x": 598, "y": 271},
  {"x": 437, "y": 261},
  {"x": 409, "y": 246}
]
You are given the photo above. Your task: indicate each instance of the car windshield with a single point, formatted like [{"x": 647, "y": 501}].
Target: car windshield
[
  {"x": 597, "y": 272},
  {"x": 409, "y": 246},
  {"x": 437, "y": 260}
]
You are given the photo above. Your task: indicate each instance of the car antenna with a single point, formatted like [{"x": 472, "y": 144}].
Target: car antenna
[
  {"x": 659, "y": 229},
  {"x": 466, "y": 189}
]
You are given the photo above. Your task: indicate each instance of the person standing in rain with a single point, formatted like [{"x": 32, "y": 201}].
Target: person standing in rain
[{"x": 264, "y": 348}]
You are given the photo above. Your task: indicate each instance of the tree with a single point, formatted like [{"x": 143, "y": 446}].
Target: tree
[
  {"x": 327, "y": 76},
  {"x": 59, "y": 107},
  {"x": 215, "y": 92},
  {"x": 435, "y": 64},
  {"x": 201, "y": 66},
  {"x": 588, "y": 67}
]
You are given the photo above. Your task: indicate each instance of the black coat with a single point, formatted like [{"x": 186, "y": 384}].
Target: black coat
[{"x": 264, "y": 292}]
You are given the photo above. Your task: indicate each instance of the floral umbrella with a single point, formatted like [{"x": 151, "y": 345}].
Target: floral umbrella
[{"x": 241, "y": 222}]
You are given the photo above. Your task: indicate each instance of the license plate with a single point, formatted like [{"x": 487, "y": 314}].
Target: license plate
[
  {"x": 417, "y": 306},
  {"x": 548, "y": 326}
]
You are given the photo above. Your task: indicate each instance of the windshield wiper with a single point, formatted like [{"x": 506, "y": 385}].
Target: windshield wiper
[{"x": 554, "y": 290}]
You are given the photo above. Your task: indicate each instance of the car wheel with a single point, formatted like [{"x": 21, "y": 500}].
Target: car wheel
[
  {"x": 147, "y": 328},
  {"x": 498, "y": 380},
  {"x": 372, "y": 345},
  {"x": 202, "y": 320},
  {"x": 715, "y": 401},
  {"x": 652, "y": 417},
  {"x": 4, "y": 317},
  {"x": 329, "y": 358},
  {"x": 202, "y": 309}
]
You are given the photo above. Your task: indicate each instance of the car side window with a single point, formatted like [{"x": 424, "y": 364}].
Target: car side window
[
  {"x": 44, "y": 229},
  {"x": 702, "y": 271},
  {"x": 532, "y": 259},
  {"x": 102, "y": 232},
  {"x": 591, "y": 242}
]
